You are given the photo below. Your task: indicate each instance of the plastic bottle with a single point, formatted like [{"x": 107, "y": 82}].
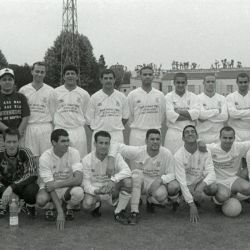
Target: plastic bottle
[{"x": 13, "y": 213}]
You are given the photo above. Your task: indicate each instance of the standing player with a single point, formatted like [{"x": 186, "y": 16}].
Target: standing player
[
  {"x": 239, "y": 108},
  {"x": 227, "y": 157},
  {"x": 97, "y": 182},
  {"x": 72, "y": 102},
  {"x": 14, "y": 108},
  {"x": 108, "y": 108},
  {"x": 146, "y": 106},
  {"x": 182, "y": 109},
  {"x": 18, "y": 173},
  {"x": 61, "y": 175},
  {"x": 153, "y": 174},
  {"x": 41, "y": 99},
  {"x": 213, "y": 111},
  {"x": 194, "y": 171}
]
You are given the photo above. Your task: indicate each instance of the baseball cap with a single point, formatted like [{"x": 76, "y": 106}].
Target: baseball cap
[{"x": 6, "y": 71}]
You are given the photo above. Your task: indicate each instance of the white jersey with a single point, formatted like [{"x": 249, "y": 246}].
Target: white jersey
[
  {"x": 239, "y": 112},
  {"x": 94, "y": 172},
  {"x": 106, "y": 112},
  {"x": 227, "y": 164},
  {"x": 41, "y": 102},
  {"x": 190, "y": 169},
  {"x": 147, "y": 109},
  {"x": 188, "y": 102},
  {"x": 162, "y": 165},
  {"x": 213, "y": 110},
  {"x": 71, "y": 107},
  {"x": 54, "y": 168}
]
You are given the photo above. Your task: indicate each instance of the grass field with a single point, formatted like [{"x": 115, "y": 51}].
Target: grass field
[{"x": 162, "y": 230}]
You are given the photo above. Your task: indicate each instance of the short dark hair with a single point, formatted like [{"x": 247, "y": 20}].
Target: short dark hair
[
  {"x": 152, "y": 131},
  {"x": 180, "y": 74},
  {"x": 103, "y": 134},
  {"x": 227, "y": 128},
  {"x": 39, "y": 63},
  {"x": 106, "y": 72},
  {"x": 57, "y": 133},
  {"x": 11, "y": 131},
  {"x": 204, "y": 78},
  {"x": 189, "y": 126},
  {"x": 146, "y": 67},
  {"x": 242, "y": 75},
  {"x": 70, "y": 67}
]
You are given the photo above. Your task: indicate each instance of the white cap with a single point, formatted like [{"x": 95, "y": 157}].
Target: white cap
[{"x": 6, "y": 71}]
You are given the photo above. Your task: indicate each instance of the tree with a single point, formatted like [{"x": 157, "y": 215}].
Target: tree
[
  {"x": 88, "y": 65},
  {"x": 121, "y": 74},
  {"x": 3, "y": 61}
]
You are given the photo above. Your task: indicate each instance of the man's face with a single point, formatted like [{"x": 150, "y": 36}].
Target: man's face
[
  {"x": 108, "y": 81},
  {"x": 147, "y": 76},
  {"x": 7, "y": 83},
  {"x": 209, "y": 84},
  {"x": 38, "y": 73},
  {"x": 62, "y": 145},
  {"x": 227, "y": 139},
  {"x": 243, "y": 84},
  {"x": 153, "y": 142},
  {"x": 102, "y": 145},
  {"x": 180, "y": 85},
  {"x": 70, "y": 77},
  {"x": 190, "y": 135},
  {"x": 11, "y": 144}
]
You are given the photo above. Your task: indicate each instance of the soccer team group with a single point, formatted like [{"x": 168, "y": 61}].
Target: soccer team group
[{"x": 44, "y": 159}]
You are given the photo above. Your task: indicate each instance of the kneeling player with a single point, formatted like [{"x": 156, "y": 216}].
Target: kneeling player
[
  {"x": 227, "y": 156},
  {"x": 61, "y": 176},
  {"x": 153, "y": 173},
  {"x": 194, "y": 171},
  {"x": 99, "y": 185},
  {"x": 18, "y": 174}
]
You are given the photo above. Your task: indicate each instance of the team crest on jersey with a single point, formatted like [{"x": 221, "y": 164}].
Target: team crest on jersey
[
  {"x": 236, "y": 103},
  {"x": 188, "y": 102},
  {"x": 44, "y": 100},
  {"x": 117, "y": 104},
  {"x": 99, "y": 104},
  {"x": 78, "y": 100},
  {"x": 204, "y": 104},
  {"x": 185, "y": 164},
  {"x": 54, "y": 167},
  {"x": 138, "y": 101},
  {"x": 214, "y": 156},
  {"x": 158, "y": 164},
  {"x": 174, "y": 103},
  {"x": 60, "y": 100},
  {"x": 157, "y": 100}
]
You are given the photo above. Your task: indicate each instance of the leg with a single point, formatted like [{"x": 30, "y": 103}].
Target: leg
[
  {"x": 42, "y": 198},
  {"x": 242, "y": 186},
  {"x": 211, "y": 190},
  {"x": 223, "y": 194},
  {"x": 29, "y": 193},
  {"x": 137, "y": 180},
  {"x": 173, "y": 189},
  {"x": 73, "y": 196},
  {"x": 89, "y": 202},
  {"x": 125, "y": 188}
]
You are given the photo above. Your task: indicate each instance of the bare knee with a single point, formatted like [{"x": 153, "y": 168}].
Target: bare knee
[
  {"x": 42, "y": 198},
  {"x": 211, "y": 189},
  {"x": 161, "y": 193},
  {"x": 77, "y": 195},
  {"x": 222, "y": 195},
  {"x": 173, "y": 187},
  {"x": 126, "y": 185}
]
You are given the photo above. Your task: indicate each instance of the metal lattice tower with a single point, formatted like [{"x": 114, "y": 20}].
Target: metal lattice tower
[{"x": 70, "y": 42}]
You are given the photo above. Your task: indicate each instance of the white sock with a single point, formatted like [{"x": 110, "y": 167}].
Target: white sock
[{"x": 123, "y": 201}]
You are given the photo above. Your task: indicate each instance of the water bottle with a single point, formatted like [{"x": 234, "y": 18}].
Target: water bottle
[{"x": 13, "y": 213}]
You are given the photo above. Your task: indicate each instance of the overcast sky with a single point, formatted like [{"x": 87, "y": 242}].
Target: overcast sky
[{"x": 132, "y": 32}]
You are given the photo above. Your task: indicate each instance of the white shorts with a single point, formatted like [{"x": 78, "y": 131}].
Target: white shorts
[
  {"x": 37, "y": 137},
  {"x": 137, "y": 137},
  {"x": 147, "y": 182},
  {"x": 228, "y": 182},
  {"x": 78, "y": 140},
  {"x": 116, "y": 136},
  {"x": 173, "y": 140}
]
